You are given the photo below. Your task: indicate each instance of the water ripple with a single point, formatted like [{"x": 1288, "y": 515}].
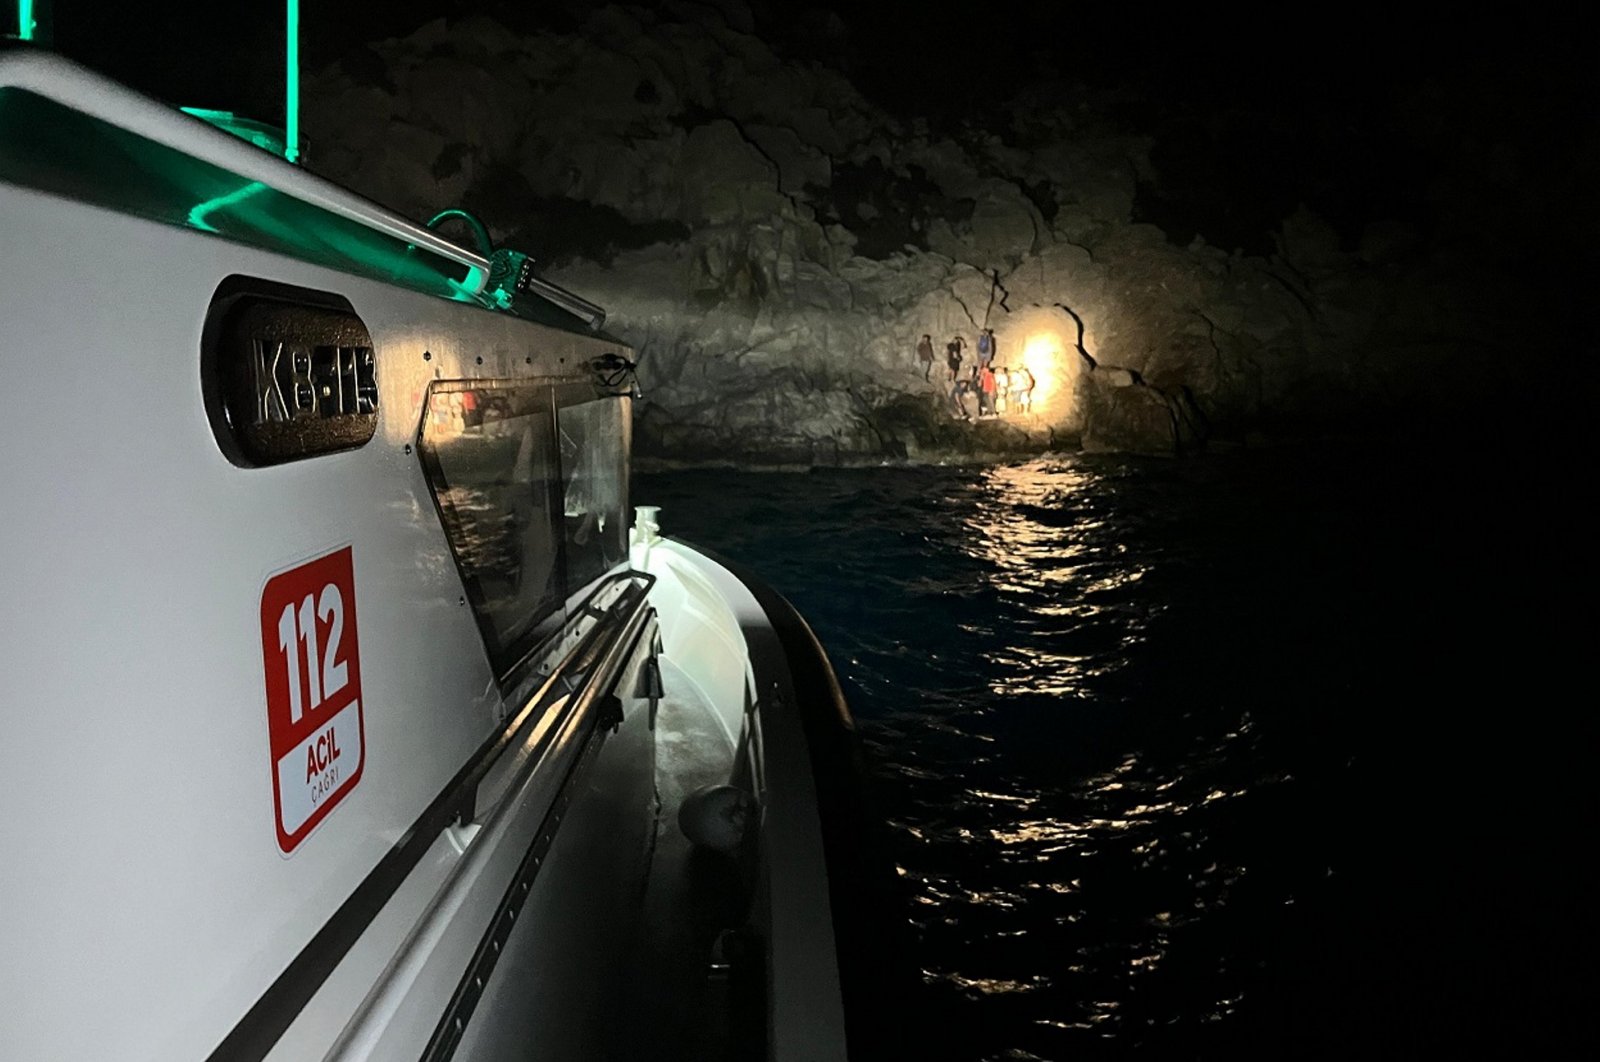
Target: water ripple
[{"x": 1101, "y": 712}]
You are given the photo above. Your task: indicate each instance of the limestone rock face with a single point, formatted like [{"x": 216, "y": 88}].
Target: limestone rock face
[
  {"x": 799, "y": 164},
  {"x": 774, "y": 246},
  {"x": 1005, "y": 228},
  {"x": 724, "y": 177},
  {"x": 1129, "y": 418}
]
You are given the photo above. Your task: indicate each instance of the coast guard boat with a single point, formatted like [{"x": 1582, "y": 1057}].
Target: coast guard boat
[{"x": 346, "y": 717}]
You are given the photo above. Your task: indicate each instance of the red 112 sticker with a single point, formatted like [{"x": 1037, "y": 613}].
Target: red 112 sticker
[{"x": 313, "y": 674}]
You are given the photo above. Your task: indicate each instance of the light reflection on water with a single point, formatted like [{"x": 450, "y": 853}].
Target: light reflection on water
[
  {"x": 1109, "y": 865},
  {"x": 1097, "y": 694},
  {"x": 996, "y": 627}
]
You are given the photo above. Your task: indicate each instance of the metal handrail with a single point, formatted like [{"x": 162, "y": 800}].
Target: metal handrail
[
  {"x": 365, "y": 1026},
  {"x": 260, "y": 1028},
  {"x": 515, "y": 677},
  {"x": 569, "y": 672},
  {"x": 80, "y": 89},
  {"x": 577, "y": 305}
]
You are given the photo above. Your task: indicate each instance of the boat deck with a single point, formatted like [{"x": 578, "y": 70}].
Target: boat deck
[
  {"x": 617, "y": 965},
  {"x": 676, "y": 1010}
]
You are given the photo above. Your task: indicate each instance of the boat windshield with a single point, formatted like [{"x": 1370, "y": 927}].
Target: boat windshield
[
  {"x": 594, "y": 481},
  {"x": 531, "y": 484}
]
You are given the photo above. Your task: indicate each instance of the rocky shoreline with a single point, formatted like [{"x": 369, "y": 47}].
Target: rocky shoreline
[{"x": 773, "y": 246}]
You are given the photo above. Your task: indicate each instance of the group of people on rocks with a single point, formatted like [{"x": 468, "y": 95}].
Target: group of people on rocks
[{"x": 999, "y": 390}]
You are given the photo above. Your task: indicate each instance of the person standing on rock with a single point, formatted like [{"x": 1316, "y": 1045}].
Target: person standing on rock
[
  {"x": 985, "y": 347},
  {"x": 925, "y": 355},
  {"x": 1002, "y": 389},
  {"x": 958, "y": 399},
  {"x": 952, "y": 356}
]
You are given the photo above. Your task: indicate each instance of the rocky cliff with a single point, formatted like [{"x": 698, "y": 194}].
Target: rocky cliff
[{"x": 773, "y": 246}]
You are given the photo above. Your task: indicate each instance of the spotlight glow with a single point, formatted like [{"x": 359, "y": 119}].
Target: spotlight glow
[{"x": 1042, "y": 354}]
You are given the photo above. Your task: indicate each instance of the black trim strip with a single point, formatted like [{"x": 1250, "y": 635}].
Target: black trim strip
[
  {"x": 453, "y": 1024},
  {"x": 264, "y": 1023}
]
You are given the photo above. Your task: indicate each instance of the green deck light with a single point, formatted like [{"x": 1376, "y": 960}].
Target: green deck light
[
  {"x": 291, "y": 79},
  {"x": 25, "y": 23}
]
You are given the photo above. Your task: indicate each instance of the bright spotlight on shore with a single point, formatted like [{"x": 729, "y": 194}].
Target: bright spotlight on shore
[{"x": 1042, "y": 354}]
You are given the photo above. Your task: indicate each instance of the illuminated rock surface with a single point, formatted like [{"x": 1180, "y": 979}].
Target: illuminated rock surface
[{"x": 774, "y": 245}]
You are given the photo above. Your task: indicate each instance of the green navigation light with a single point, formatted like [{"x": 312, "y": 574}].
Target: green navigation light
[
  {"x": 291, "y": 102},
  {"x": 25, "y": 23}
]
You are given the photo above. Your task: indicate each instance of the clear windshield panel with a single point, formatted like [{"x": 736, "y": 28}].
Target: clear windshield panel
[
  {"x": 492, "y": 461},
  {"x": 594, "y": 472}
]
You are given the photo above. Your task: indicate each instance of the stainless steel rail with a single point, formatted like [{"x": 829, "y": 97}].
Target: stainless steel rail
[
  {"x": 260, "y": 1028},
  {"x": 365, "y": 1028},
  {"x": 577, "y": 305}
]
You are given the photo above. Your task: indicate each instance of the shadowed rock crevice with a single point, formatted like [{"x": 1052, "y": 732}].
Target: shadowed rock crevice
[
  {"x": 562, "y": 229},
  {"x": 884, "y": 210}
]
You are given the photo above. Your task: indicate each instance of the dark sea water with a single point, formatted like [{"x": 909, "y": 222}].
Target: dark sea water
[{"x": 1282, "y": 754}]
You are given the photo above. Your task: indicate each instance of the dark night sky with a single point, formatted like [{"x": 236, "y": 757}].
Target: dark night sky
[
  {"x": 908, "y": 49},
  {"x": 1343, "y": 108}
]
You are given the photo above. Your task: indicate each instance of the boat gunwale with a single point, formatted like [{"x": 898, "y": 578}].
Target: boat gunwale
[{"x": 259, "y": 1028}]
